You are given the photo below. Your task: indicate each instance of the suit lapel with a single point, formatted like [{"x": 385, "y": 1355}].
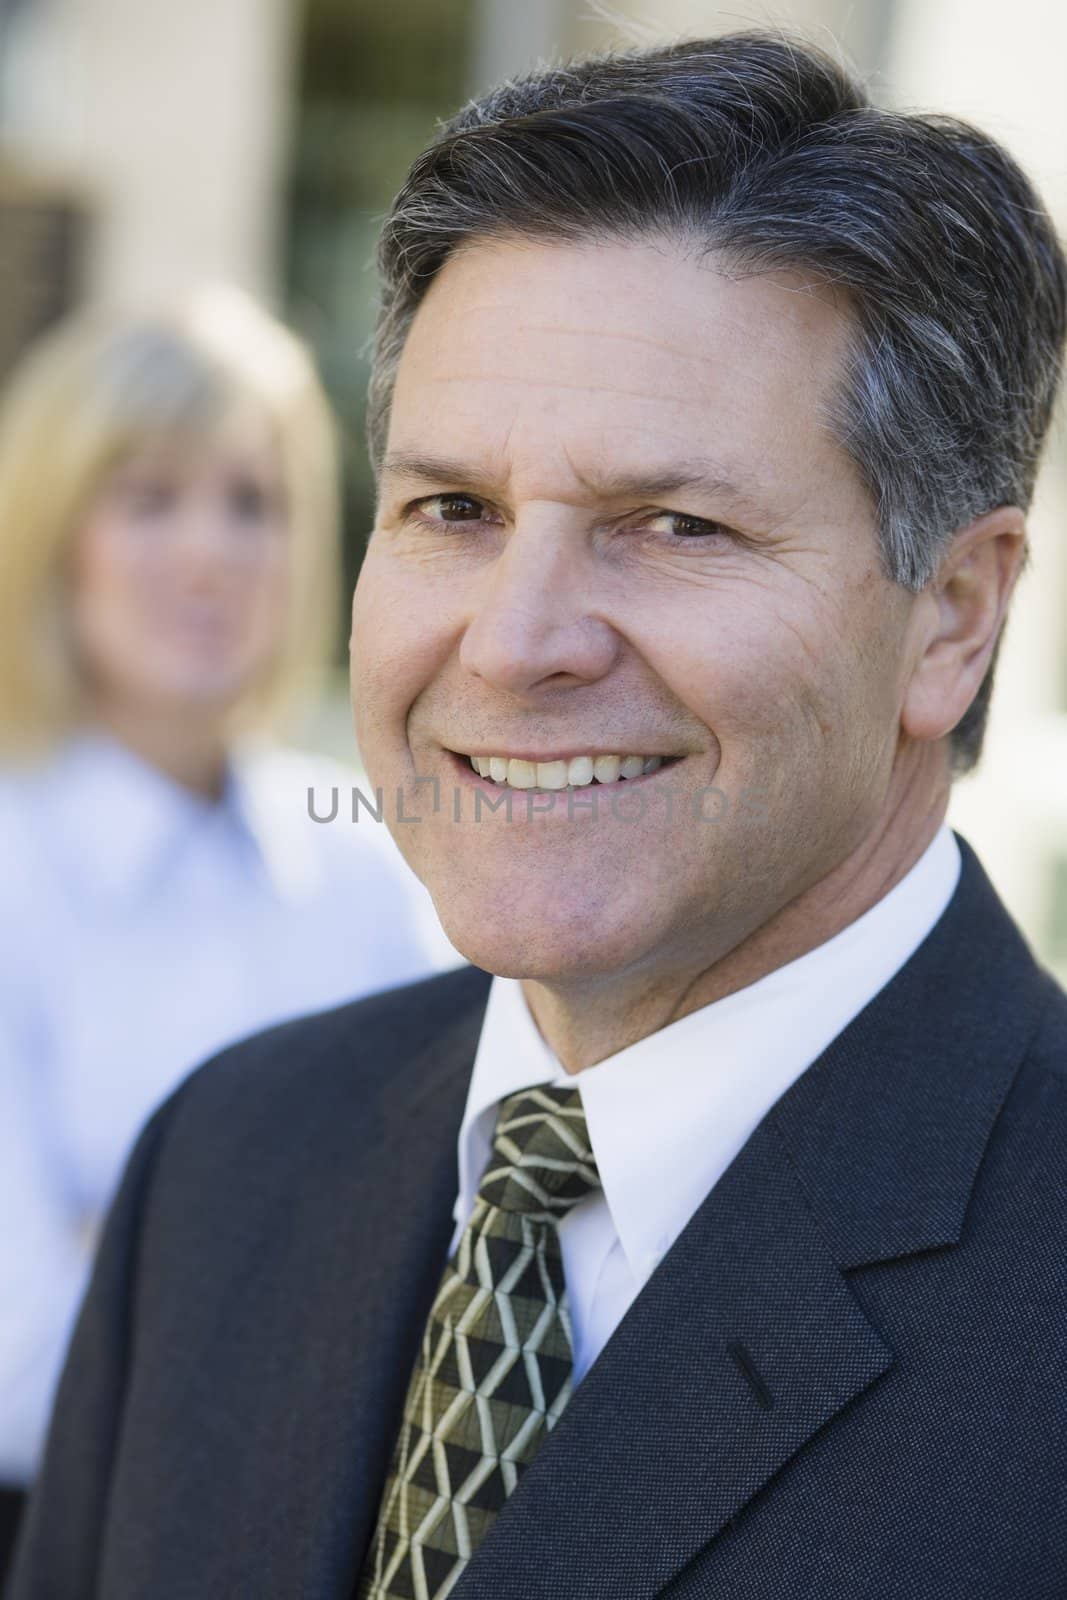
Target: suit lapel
[
  {"x": 374, "y": 1264},
  {"x": 748, "y": 1339},
  {"x": 744, "y": 1342}
]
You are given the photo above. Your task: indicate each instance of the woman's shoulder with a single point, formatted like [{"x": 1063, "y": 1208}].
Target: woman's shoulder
[
  {"x": 283, "y": 784},
  {"x": 27, "y": 788},
  {"x": 26, "y": 898},
  {"x": 311, "y": 821},
  {"x": 300, "y": 805},
  {"x": 25, "y": 775},
  {"x": 290, "y": 767}
]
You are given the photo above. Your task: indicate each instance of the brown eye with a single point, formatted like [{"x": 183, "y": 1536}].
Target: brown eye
[
  {"x": 442, "y": 509},
  {"x": 459, "y": 507},
  {"x": 686, "y": 527},
  {"x": 681, "y": 527}
]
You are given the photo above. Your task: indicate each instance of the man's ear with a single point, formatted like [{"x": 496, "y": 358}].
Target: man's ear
[{"x": 961, "y": 621}]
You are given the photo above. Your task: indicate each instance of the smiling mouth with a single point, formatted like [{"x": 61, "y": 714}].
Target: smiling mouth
[{"x": 574, "y": 772}]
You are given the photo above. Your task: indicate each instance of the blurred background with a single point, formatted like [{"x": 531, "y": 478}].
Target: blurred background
[{"x": 146, "y": 149}]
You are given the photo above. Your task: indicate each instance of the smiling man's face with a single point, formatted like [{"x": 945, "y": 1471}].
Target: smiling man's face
[{"x": 536, "y": 589}]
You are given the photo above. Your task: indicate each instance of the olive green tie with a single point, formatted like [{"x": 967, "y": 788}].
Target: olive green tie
[{"x": 494, "y": 1372}]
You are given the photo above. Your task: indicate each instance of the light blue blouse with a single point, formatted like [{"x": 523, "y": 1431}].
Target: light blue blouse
[{"x": 142, "y": 928}]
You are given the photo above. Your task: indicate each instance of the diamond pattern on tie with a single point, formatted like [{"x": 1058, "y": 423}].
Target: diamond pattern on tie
[{"x": 494, "y": 1372}]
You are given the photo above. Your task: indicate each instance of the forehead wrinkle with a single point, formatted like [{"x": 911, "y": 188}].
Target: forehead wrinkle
[
  {"x": 613, "y": 333},
  {"x": 554, "y": 383},
  {"x": 643, "y": 484},
  {"x": 671, "y": 478}
]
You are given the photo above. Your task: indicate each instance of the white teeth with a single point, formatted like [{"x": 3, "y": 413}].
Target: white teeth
[
  {"x": 522, "y": 774},
  {"x": 577, "y": 773},
  {"x": 551, "y": 774},
  {"x": 606, "y": 769}
]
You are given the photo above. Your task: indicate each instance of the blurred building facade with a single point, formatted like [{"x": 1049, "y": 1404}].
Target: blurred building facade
[{"x": 259, "y": 141}]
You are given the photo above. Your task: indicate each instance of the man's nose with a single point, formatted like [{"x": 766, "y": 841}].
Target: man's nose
[{"x": 534, "y": 622}]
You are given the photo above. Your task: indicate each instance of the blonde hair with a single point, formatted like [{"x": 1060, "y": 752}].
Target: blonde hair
[{"x": 97, "y": 389}]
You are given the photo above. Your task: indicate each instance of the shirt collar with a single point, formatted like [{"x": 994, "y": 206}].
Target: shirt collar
[
  {"x": 119, "y": 819},
  {"x": 667, "y": 1115}
]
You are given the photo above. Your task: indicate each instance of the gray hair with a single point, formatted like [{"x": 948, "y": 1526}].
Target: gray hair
[{"x": 762, "y": 148}]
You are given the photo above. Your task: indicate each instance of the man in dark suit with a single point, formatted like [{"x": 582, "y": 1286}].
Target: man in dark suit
[{"x": 715, "y": 1245}]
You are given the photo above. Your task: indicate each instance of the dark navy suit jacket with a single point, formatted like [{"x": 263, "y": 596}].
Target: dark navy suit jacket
[{"x": 845, "y": 1381}]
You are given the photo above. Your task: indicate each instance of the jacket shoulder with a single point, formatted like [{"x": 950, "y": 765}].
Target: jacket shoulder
[
  {"x": 1028, "y": 1146},
  {"x": 330, "y": 1062},
  {"x": 1050, "y": 1046},
  {"x": 1045, "y": 1061}
]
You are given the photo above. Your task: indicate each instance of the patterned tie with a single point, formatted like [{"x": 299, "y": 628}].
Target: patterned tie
[{"x": 494, "y": 1373}]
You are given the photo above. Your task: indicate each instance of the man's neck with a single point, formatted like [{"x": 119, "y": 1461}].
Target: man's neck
[{"x": 586, "y": 1021}]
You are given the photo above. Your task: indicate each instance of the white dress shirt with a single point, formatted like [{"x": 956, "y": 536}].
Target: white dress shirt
[
  {"x": 142, "y": 928},
  {"x": 667, "y": 1115}
]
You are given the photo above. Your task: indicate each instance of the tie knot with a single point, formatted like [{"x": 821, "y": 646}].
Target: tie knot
[{"x": 542, "y": 1162}]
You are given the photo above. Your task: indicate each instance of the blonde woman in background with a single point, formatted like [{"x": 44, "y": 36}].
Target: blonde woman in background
[{"x": 168, "y": 576}]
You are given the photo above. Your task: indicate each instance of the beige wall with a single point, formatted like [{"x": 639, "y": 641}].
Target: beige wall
[
  {"x": 858, "y": 29},
  {"x": 174, "y": 118}
]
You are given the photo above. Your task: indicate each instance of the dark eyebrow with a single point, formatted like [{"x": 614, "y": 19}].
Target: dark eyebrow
[{"x": 669, "y": 479}]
